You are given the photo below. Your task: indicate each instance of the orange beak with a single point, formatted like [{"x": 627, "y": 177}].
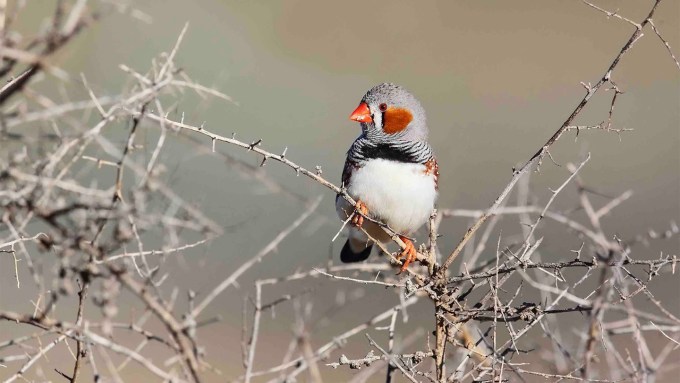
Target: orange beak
[{"x": 361, "y": 113}]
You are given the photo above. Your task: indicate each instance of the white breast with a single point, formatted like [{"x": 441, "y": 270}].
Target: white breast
[{"x": 400, "y": 194}]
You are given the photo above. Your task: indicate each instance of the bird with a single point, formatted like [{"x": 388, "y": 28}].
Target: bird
[{"x": 390, "y": 171}]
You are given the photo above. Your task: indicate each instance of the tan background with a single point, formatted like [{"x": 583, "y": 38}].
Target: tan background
[{"x": 496, "y": 79}]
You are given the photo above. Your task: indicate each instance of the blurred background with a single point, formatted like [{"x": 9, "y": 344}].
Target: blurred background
[{"x": 496, "y": 79}]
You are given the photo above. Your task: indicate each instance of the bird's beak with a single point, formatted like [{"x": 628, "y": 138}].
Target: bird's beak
[{"x": 361, "y": 113}]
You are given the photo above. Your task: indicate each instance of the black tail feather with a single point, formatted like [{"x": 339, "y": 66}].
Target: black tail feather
[{"x": 348, "y": 256}]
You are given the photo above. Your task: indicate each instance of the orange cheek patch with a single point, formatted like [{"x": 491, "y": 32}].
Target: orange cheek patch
[{"x": 396, "y": 120}]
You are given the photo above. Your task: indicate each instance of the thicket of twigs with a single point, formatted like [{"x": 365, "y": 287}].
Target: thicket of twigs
[{"x": 82, "y": 237}]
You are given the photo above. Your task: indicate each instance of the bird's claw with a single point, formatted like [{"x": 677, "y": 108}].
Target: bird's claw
[
  {"x": 409, "y": 254},
  {"x": 360, "y": 210}
]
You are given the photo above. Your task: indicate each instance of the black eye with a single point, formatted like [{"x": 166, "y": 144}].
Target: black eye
[{"x": 383, "y": 107}]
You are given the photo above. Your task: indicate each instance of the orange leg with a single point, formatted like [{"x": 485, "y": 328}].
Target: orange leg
[
  {"x": 357, "y": 219},
  {"x": 409, "y": 254}
]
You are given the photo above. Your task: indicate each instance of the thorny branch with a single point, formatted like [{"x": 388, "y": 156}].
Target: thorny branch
[{"x": 482, "y": 314}]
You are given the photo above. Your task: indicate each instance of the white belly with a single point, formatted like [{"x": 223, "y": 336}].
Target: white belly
[{"x": 400, "y": 194}]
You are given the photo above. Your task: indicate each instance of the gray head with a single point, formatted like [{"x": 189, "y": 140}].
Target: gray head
[{"x": 389, "y": 111}]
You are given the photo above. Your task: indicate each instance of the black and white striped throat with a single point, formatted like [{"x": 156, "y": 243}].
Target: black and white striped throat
[{"x": 418, "y": 152}]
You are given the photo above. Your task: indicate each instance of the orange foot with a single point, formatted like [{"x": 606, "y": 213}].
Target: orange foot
[
  {"x": 409, "y": 253},
  {"x": 357, "y": 218}
]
